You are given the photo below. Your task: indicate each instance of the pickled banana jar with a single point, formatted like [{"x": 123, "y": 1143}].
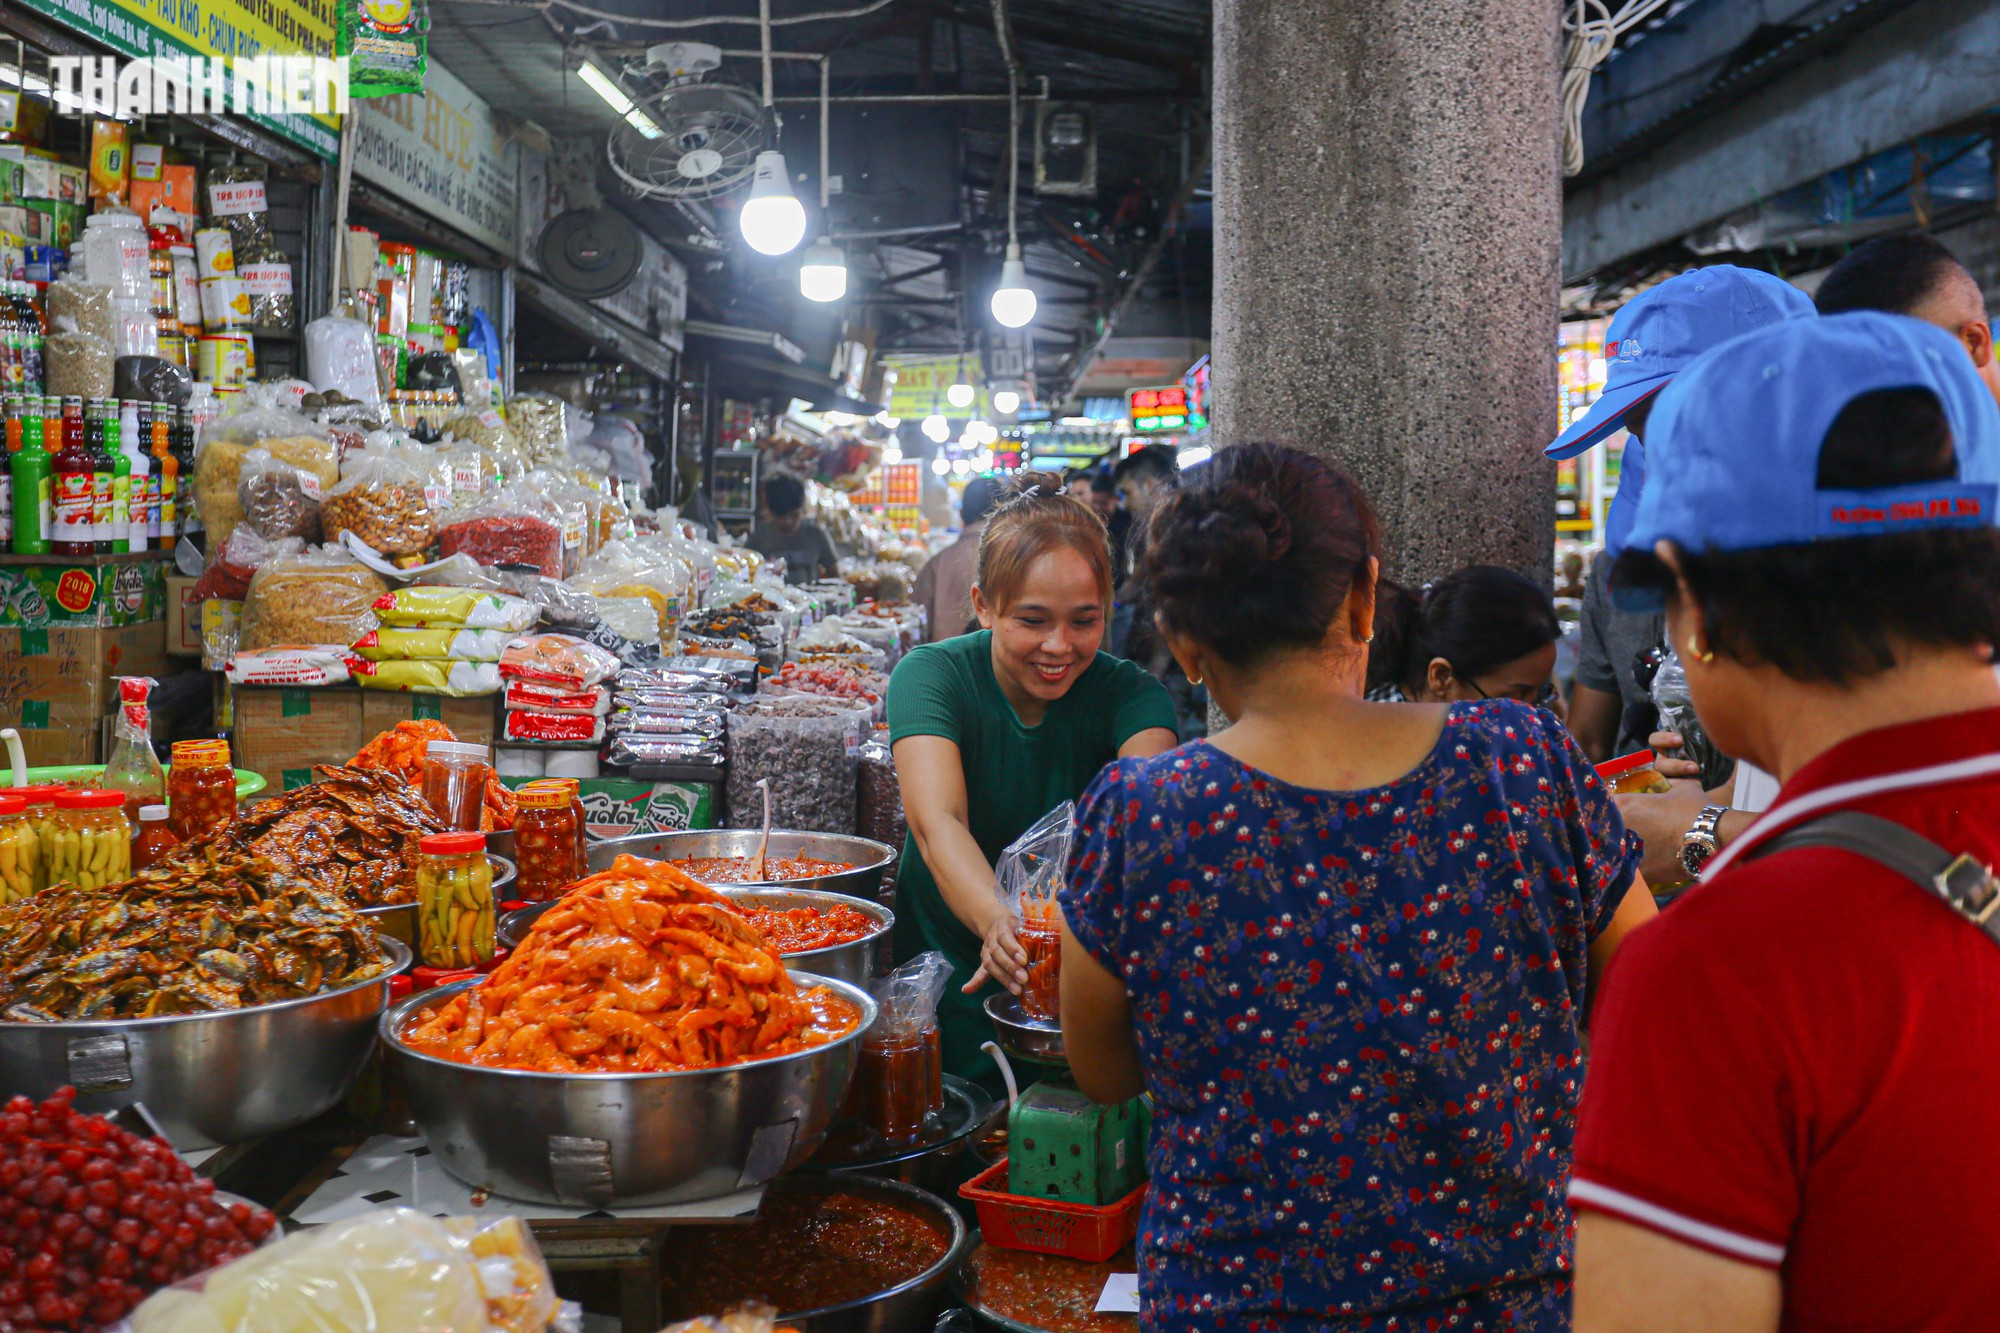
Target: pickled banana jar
[
  {"x": 92, "y": 843},
  {"x": 454, "y": 901},
  {"x": 20, "y": 851}
]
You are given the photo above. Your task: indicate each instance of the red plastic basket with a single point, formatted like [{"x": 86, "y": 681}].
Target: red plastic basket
[{"x": 1050, "y": 1226}]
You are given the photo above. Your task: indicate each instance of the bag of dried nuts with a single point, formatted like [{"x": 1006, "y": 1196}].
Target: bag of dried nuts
[{"x": 381, "y": 499}]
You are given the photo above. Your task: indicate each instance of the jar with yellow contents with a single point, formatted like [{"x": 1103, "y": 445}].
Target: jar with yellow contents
[
  {"x": 454, "y": 901},
  {"x": 92, "y": 841},
  {"x": 41, "y": 816},
  {"x": 20, "y": 851}
]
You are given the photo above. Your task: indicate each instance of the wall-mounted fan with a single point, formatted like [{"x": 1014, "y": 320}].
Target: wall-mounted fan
[{"x": 590, "y": 253}]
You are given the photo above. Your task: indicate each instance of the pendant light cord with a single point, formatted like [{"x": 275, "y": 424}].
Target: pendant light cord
[{"x": 1003, "y": 33}]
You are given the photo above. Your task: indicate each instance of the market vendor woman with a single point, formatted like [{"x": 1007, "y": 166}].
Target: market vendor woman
[{"x": 992, "y": 730}]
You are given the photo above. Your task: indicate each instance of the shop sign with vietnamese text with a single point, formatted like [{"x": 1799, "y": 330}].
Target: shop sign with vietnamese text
[{"x": 444, "y": 153}]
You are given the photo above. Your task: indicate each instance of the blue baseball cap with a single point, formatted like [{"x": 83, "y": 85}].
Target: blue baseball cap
[
  {"x": 1734, "y": 443},
  {"x": 1660, "y": 331}
]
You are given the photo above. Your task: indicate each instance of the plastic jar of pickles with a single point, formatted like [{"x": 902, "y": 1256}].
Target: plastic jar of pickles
[
  {"x": 454, "y": 783},
  {"x": 20, "y": 851},
  {"x": 92, "y": 843},
  {"x": 201, "y": 788},
  {"x": 545, "y": 841},
  {"x": 454, "y": 900},
  {"x": 41, "y": 816}
]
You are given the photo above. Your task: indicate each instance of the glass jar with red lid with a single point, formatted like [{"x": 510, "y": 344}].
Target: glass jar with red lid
[
  {"x": 201, "y": 788},
  {"x": 92, "y": 845},
  {"x": 20, "y": 851},
  {"x": 544, "y": 842},
  {"x": 455, "y": 907},
  {"x": 41, "y": 816}
]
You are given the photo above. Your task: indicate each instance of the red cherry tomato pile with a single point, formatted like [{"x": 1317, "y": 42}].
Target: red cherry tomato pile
[{"x": 93, "y": 1219}]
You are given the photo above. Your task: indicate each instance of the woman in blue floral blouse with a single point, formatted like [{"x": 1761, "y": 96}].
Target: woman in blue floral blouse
[{"x": 1346, "y": 946}]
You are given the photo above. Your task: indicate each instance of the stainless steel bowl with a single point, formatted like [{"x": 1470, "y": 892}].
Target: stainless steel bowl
[
  {"x": 210, "y": 1078},
  {"x": 398, "y": 921},
  {"x": 501, "y": 841},
  {"x": 911, "y": 1306},
  {"x": 852, "y": 962},
  {"x": 868, "y": 857},
  {"x": 941, "y": 1162},
  {"x": 592, "y": 1140},
  {"x": 1022, "y": 1037}
]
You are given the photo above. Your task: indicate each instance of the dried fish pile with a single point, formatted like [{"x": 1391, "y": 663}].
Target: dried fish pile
[
  {"x": 213, "y": 930},
  {"x": 352, "y": 831}
]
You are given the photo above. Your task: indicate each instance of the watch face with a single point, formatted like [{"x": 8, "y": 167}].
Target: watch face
[{"x": 1695, "y": 853}]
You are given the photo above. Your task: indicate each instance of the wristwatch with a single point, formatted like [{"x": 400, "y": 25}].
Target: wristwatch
[{"x": 1702, "y": 841}]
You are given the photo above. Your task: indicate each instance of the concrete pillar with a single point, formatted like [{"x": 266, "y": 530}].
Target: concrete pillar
[{"x": 1388, "y": 221}]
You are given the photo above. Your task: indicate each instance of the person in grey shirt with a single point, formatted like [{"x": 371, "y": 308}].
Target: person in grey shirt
[
  {"x": 786, "y": 534},
  {"x": 1610, "y": 644}
]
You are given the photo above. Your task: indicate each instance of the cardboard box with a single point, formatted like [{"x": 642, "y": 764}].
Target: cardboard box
[
  {"x": 174, "y": 190},
  {"x": 471, "y": 720},
  {"x": 62, "y": 221},
  {"x": 101, "y": 594},
  {"x": 40, "y": 173},
  {"x": 55, "y": 684},
  {"x": 621, "y": 807},
  {"x": 183, "y": 617},
  {"x": 30, "y": 224},
  {"x": 281, "y": 733}
]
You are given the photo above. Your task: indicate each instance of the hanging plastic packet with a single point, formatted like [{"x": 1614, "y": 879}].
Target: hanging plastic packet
[
  {"x": 1030, "y": 872},
  {"x": 386, "y": 43}
]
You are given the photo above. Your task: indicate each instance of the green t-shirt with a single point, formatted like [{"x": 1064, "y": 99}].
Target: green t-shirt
[{"x": 1014, "y": 775}]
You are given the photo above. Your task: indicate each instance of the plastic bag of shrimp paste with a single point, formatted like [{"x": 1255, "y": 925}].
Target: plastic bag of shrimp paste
[{"x": 1027, "y": 877}]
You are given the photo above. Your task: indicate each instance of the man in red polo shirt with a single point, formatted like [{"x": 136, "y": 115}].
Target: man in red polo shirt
[{"x": 1792, "y": 1114}]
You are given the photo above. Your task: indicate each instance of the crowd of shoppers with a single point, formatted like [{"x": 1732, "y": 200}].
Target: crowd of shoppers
[{"x": 1349, "y": 945}]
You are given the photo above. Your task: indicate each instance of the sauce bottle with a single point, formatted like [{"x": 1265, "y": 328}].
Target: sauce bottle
[
  {"x": 73, "y": 474},
  {"x": 121, "y": 478},
  {"x": 155, "y": 838},
  {"x": 29, "y": 473},
  {"x": 97, "y": 425},
  {"x": 13, "y": 426},
  {"x": 167, "y": 468},
  {"x": 138, "y": 479}
]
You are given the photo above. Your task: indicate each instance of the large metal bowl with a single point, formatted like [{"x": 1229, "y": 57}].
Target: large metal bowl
[
  {"x": 910, "y": 1306},
  {"x": 868, "y": 857},
  {"x": 398, "y": 921},
  {"x": 593, "y": 1140},
  {"x": 1035, "y": 1039},
  {"x": 210, "y": 1078},
  {"x": 852, "y": 962}
]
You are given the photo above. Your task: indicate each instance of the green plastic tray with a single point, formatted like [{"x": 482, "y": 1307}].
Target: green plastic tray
[{"x": 247, "y": 783}]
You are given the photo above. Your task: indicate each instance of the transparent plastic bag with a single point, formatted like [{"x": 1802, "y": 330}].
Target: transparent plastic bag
[
  {"x": 340, "y": 356},
  {"x": 512, "y": 526},
  {"x": 808, "y": 749},
  {"x": 1671, "y": 697},
  {"x": 539, "y": 427},
  {"x": 557, "y": 659},
  {"x": 1027, "y": 877},
  {"x": 881, "y": 814},
  {"x": 319, "y": 597},
  {"x": 82, "y": 307},
  {"x": 278, "y": 499},
  {"x": 381, "y": 498},
  {"x": 621, "y": 569},
  {"x": 632, "y": 618},
  {"x": 258, "y": 422},
  {"x": 232, "y": 563},
  {"x": 561, "y": 606}
]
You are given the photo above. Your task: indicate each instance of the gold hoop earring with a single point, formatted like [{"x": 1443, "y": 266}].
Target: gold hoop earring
[
  {"x": 1695, "y": 651},
  {"x": 1194, "y": 680}
]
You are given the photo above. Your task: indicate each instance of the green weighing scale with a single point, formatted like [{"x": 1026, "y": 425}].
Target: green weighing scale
[{"x": 1060, "y": 1144}]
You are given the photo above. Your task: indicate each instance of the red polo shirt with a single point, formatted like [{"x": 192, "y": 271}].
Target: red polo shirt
[{"x": 1799, "y": 1065}]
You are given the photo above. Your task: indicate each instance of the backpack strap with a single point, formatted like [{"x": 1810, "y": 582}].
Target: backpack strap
[{"x": 1963, "y": 884}]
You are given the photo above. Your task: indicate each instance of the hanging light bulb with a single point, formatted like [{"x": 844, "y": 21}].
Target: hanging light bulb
[
  {"x": 936, "y": 428},
  {"x": 892, "y": 452},
  {"x": 823, "y": 272},
  {"x": 1006, "y": 402},
  {"x": 961, "y": 393},
  {"x": 773, "y": 220},
  {"x": 941, "y": 465},
  {"x": 962, "y": 466},
  {"x": 1013, "y": 299}
]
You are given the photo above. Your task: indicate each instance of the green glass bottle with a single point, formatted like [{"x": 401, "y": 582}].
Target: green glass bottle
[{"x": 30, "y": 470}]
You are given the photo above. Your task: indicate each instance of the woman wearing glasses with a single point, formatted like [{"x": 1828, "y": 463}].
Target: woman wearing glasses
[
  {"x": 1482, "y": 633},
  {"x": 1346, "y": 946}
]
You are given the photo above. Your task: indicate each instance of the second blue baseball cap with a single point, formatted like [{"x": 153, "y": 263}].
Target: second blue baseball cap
[
  {"x": 1732, "y": 450},
  {"x": 1660, "y": 331}
]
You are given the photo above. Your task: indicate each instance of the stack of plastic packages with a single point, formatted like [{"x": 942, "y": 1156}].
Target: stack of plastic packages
[
  {"x": 557, "y": 700},
  {"x": 439, "y": 640},
  {"x": 670, "y": 722}
]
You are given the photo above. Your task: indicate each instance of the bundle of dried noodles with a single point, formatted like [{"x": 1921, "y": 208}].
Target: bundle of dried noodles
[{"x": 638, "y": 969}]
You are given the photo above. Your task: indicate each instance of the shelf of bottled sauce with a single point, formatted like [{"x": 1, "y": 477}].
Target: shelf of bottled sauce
[{"x": 87, "y": 478}]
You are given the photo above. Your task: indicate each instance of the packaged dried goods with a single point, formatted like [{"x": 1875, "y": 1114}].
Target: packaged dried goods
[
  {"x": 557, "y": 659},
  {"x": 74, "y": 305},
  {"x": 806, "y": 748},
  {"x": 78, "y": 365},
  {"x": 629, "y": 749},
  {"x": 278, "y": 499},
  {"x": 524, "y": 726},
  {"x": 458, "y": 680},
  {"x": 1027, "y": 877},
  {"x": 352, "y": 832},
  {"x": 653, "y": 720},
  {"x": 663, "y": 937},
  {"x": 399, "y": 644},
  {"x": 680, "y": 678},
  {"x": 20, "y": 851},
  {"x": 382, "y": 499},
  {"x": 201, "y": 788},
  {"x": 76, "y": 954},
  {"x": 91, "y": 847},
  {"x": 881, "y": 814},
  {"x": 422, "y": 606},
  {"x": 836, "y": 680},
  {"x": 556, "y": 699},
  {"x": 237, "y": 200},
  {"x": 384, "y": 1270},
  {"x": 538, "y": 427},
  {"x": 631, "y": 619},
  {"x": 89, "y": 1276},
  {"x": 300, "y": 667},
  {"x": 340, "y": 355},
  {"x": 482, "y": 427},
  {"x": 259, "y": 422},
  {"x": 234, "y": 561},
  {"x": 319, "y": 597},
  {"x": 401, "y": 749},
  {"x": 455, "y": 905},
  {"x": 509, "y": 527},
  {"x": 572, "y": 510},
  {"x": 473, "y": 471}
]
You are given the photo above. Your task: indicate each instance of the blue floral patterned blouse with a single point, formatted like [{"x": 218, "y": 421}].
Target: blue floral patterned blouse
[{"x": 1357, "y": 1013}]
